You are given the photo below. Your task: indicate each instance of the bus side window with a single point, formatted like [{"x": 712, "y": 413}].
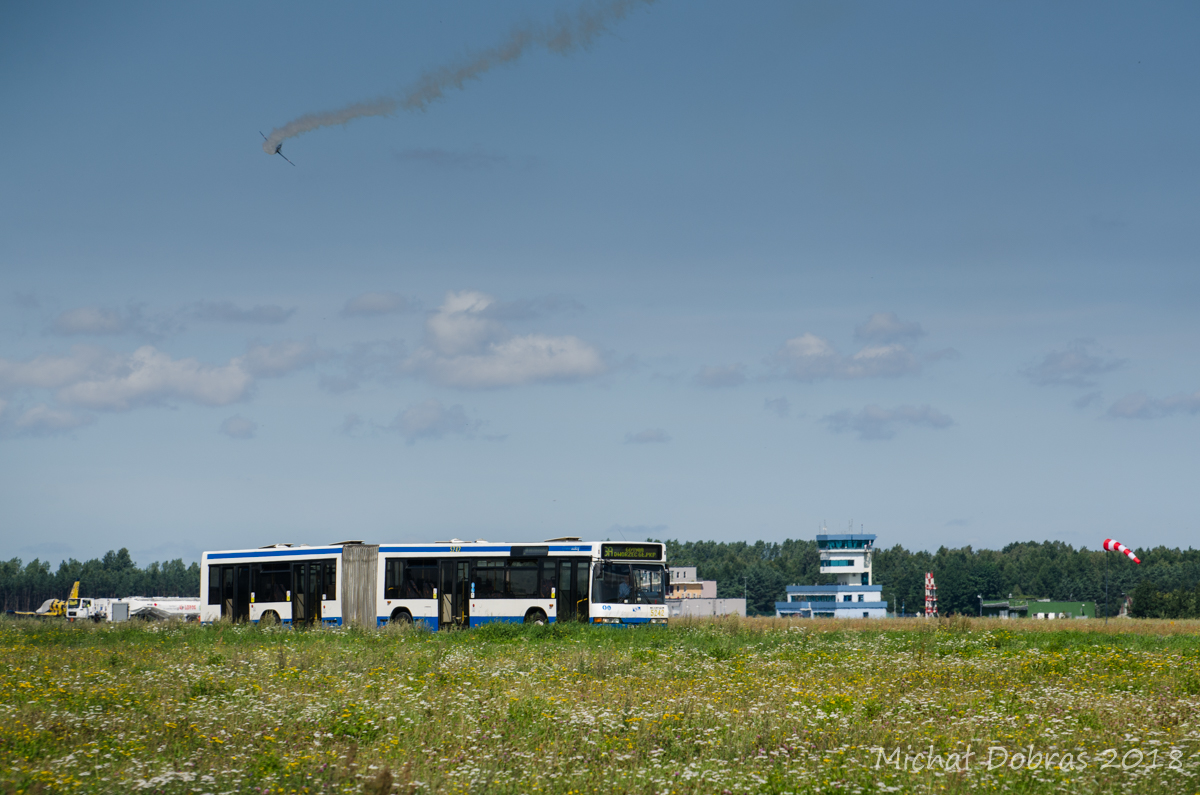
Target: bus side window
[
  {"x": 391, "y": 579},
  {"x": 523, "y": 578},
  {"x": 272, "y": 582},
  {"x": 330, "y": 579},
  {"x": 420, "y": 578},
  {"x": 214, "y": 585},
  {"x": 488, "y": 578}
]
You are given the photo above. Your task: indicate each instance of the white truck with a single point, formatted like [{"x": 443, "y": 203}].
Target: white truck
[{"x": 154, "y": 608}]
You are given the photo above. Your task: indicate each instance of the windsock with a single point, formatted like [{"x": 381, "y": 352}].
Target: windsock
[{"x": 1117, "y": 546}]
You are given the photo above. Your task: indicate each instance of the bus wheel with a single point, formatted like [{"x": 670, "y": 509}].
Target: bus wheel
[
  {"x": 401, "y": 616},
  {"x": 268, "y": 619},
  {"x": 535, "y": 617}
]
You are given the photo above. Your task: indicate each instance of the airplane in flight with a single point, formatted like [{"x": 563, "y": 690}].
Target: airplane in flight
[{"x": 278, "y": 148}]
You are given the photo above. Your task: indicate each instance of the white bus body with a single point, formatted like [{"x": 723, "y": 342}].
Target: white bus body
[
  {"x": 477, "y": 583},
  {"x": 439, "y": 585},
  {"x": 288, "y": 584}
]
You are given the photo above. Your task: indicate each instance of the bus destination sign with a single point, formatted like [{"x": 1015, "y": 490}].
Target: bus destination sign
[{"x": 632, "y": 551}]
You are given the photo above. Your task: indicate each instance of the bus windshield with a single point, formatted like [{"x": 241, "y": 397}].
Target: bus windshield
[{"x": 628, "y": 583}]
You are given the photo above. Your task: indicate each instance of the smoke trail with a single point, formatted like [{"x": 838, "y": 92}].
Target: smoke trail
[{"x": 568, "y": 33}]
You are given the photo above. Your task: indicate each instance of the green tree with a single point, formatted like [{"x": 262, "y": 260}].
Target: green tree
[{"x": 1146, "y": 601}]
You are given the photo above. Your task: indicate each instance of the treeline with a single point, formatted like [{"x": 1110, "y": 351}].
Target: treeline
[
  {"x": 1048, "y": 569},
  {"x": 1149, "y": 602},
  {"x": 26, "y": 586}
]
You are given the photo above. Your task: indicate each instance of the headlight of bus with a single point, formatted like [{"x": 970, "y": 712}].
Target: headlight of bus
[{"x": 607, "y": 620}]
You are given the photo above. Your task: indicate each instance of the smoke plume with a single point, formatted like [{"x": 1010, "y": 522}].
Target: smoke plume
[{"x": 569, "y": 32}]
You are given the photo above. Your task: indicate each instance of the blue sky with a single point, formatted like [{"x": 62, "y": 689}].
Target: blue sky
[{"x": 727, "y": 272}]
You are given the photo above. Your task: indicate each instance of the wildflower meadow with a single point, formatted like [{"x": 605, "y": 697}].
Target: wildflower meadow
[{"x": 724, "y": 706}]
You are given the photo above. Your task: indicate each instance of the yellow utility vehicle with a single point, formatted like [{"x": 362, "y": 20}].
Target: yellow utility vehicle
[{"x": 55, "y": 608}]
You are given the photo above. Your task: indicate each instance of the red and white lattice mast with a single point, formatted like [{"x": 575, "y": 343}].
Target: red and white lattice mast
[{"x": 930, "y": 596}]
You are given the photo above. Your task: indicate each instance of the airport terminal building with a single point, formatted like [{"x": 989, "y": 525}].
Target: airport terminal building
[{"x": 848, "y": 557}]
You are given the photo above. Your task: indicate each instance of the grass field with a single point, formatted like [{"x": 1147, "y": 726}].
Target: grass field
[{"x": 757, "y": 705}]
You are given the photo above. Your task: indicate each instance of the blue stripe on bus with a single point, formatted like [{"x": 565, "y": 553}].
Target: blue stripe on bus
[
  {"x": 479, "y": 621},
  {"x": 273, "y": 553},
  {"x": 446, "y": 548},
  {"x": 464, "y": 548},
  {"x": 490, "y": 548},
  {"x": 287, "y": 622}
]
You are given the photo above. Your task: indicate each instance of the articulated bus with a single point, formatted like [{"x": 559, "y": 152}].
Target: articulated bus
[{"x": 439, "y": 585}]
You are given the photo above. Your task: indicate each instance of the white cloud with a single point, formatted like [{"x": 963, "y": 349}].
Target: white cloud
[
  {"x": 238, "y": 427},
  {"x": 875, "y": 422},
  {"x": 779, "y": 406},
  {"x": 431, "y": 420},
  {"x": 372, "y": 304},
  {"x": 466, "y": 347},
  {"x": 228, "y": 312},
  {"x": 53, "y": 372},
  {"x": 721, "y": 375},
  {"x": 886, "y": 327},
  {"x": 808, "y": 358},
  {"x": 41, "y": 420},
  {"x": 94, "y": 378},
  {"x": 811, "y": 358},
  {"x": 519, "y": 360},
  {"x": 149, "y": 376},
  {"x": 1077, "y": 366},
  {"x": 881, "y": 361},
  {"x": 648, "y": 436},
  {"x": 1140, "y": 406},
  {"x": 461, "y": 325}
]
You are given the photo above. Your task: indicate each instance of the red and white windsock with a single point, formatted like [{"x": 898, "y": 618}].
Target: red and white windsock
[{"x": 1117, "y": 546}]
